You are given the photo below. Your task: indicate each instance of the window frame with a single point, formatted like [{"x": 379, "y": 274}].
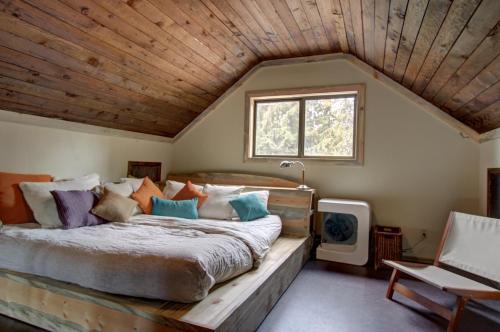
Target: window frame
[{"x": 301, "y": 95}]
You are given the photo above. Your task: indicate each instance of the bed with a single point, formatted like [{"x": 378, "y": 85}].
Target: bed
[
  {"x": 234, "y": 268},
  {"x": 149, "y": 256}
]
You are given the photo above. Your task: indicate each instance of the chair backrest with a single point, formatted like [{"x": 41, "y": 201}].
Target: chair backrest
[{"x": 472, "y": 244}]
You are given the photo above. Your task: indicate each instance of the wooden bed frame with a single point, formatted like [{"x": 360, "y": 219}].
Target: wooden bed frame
[
  {"x": 239, "y": 304},
  {"x": 295, "y": 207}
]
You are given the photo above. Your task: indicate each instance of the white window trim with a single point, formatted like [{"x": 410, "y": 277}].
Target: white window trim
[{"x": 358, "y": 89}]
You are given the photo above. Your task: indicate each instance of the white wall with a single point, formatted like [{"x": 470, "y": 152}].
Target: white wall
[
  {"x": 30, "y": 148},
  {"x": 489, "y": 157},
  {"x": 416, "y": 168}
]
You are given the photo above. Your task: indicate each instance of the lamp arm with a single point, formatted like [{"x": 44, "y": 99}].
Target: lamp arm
[
  {"x": 297, "y": 162},
  {"x": 287, "y": 164}
]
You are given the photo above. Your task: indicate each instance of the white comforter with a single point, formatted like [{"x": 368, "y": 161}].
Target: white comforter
[{"x": 149, "y": 256}]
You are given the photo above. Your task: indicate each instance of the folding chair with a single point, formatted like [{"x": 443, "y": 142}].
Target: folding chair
[{"x": 470, "y": 244}]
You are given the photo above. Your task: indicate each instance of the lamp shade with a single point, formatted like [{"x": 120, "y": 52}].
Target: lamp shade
[{"x": 286, "y": 164}]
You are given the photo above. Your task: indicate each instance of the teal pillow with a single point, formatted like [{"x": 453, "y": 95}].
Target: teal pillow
[
  {"x": 249, "y": 207},
  {"x": 180, "y": 209}
]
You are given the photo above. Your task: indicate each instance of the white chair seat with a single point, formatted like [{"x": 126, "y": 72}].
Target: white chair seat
[{"x": 439, "y": 277}]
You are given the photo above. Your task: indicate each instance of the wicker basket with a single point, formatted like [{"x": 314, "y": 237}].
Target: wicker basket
[{"x": 388, "y": 244}]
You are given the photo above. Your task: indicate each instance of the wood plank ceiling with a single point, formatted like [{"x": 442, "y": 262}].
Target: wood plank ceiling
[{"x": 152, "y": 66}]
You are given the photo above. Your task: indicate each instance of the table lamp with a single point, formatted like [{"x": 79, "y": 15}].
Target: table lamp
[{"x": 288, "y": 164}]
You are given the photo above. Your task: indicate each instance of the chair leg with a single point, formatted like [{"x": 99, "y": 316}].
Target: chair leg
[
  {"x": 456, "y": 313},
  {"x": 390, "y": 289}
]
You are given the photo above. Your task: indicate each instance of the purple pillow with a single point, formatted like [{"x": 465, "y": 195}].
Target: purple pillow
[{"x": 74, "y": 207}]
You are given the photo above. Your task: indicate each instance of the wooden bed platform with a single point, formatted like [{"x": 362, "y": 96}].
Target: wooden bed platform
[
  {"x": 240, "y": 304},
  {"x": 237, "y": 305}
]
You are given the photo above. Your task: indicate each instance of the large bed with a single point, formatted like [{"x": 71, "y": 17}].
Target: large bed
[
  {"x": 159, "y": 273},
  {"x": 153, "y": 257}
]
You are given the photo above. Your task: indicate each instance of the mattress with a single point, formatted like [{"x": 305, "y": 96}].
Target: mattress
[{"x": 149, "y": 256}]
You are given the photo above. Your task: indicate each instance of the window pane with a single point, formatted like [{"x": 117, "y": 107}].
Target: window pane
[
  {"x": 277, "y": 128},
  {"x": 329, "y": 127}
]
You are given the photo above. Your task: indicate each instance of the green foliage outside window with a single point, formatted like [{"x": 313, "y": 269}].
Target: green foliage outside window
[
  {"x": 328, "y": 127},
  {"x": 277, "y": 128}
]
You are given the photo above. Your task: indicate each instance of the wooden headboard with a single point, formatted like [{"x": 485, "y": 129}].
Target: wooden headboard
[{"x": 295, "y": 207}]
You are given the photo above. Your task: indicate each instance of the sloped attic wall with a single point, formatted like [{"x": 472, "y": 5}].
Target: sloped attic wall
[
  {"x": 416, "y": 168},
  {"x": 32, "y": 144}
]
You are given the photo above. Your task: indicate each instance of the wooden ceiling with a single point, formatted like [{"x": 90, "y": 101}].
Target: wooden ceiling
[{"x": 152, "y": 66}]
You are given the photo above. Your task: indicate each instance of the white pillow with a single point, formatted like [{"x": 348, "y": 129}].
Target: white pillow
[
  {"x": 173, "y": 187},
  {"x": 136, "y": 183},
  {"x": 217, "y": 204},
  {"x": 124, "y": 189},
  {"x": 262, "y": 195},
  {"x": 41, "y": 202}
]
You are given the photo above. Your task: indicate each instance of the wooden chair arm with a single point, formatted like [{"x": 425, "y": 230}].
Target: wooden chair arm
[{"x": 474, "y": 294}]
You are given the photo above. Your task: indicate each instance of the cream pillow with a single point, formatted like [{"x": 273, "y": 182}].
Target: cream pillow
[
  {"x": 125, "y": 189},
  {"x": 217, "y": 204},
  {"x": 42, "y": 203},
  {"x": 263, "y": 196},
  {"x": 173, "y": 187},
  {"x": 114, "y": 207}
]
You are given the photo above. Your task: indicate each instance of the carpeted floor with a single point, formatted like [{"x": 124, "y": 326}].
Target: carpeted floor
[{"x": 328, "y": 296}]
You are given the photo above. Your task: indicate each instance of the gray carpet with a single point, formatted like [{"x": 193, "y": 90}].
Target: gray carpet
[{"x": 327, "y": 296}]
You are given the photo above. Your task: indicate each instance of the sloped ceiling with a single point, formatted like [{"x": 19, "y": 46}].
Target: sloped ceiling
[{"x": 152, "y": 66}]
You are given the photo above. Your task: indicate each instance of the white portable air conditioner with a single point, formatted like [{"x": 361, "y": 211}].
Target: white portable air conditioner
[{"x": 345, "y": 231}]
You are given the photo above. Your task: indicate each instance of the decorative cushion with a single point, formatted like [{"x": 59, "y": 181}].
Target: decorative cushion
[
  {"x": 134, "y": 182},
  {"x": 124, "y": 189},
  {"x": 173, "y": 187},
  {"x": 73, "y": 207},
  {"x": 114, "y": 207},
  {"x": 145, "y": 193},
  {"x": 263, "y": 196},
  {"x": 189, "y": 192},
  {"x": 13, "y": 206},
  {"x": 42, "y": 202},
  {"x": 181, "y": 209},
  {"x": 249, "y": 207},
  {"x": 217, "y": 204}
]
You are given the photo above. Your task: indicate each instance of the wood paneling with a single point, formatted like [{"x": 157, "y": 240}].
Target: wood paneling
[
  {"x": 397, "y": 12},
  {"x": 380, "y": 35},
  {"x": 157, "y": 64},
  {"x": 414, "y": 15}
]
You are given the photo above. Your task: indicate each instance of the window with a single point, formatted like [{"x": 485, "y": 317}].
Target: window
[{"x": 316, "y": 123}]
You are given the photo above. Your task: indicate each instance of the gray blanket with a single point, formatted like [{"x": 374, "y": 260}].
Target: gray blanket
[{"x": 152, "y": 257}]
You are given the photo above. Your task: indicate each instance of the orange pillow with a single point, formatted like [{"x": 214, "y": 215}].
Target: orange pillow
[
  {"x": 13, "y": 207},
  {"x": 189, "y": 191},
  {"x": 145, "y": 193}
]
